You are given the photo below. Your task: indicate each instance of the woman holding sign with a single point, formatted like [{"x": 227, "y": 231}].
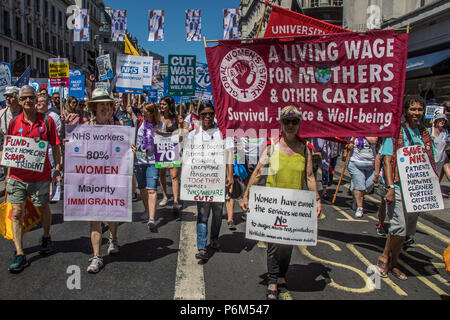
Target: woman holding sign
[
  {"x": 147, "y": 174},
  {"x": 402, "y": 223},
  {"x": 289, "y": 163},
  {"x": 102, "y": 108},
  {"x": 169, "y": 119}
]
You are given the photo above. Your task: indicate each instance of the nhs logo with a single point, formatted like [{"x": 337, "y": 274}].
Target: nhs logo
[{"x": 130, "y": 70}]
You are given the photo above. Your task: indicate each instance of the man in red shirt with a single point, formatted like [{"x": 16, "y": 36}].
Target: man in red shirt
[{"x": 22, "y": 183}]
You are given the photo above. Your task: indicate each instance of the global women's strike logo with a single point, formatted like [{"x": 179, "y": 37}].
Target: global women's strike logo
[{"x": 243, "y": 74}]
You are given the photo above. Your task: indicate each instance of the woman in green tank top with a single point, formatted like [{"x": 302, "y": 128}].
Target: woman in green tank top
[{"x": 289, "y": 164}]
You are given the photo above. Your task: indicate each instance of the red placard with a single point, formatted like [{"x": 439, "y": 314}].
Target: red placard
[
  {"x": 345, "y": 85},
  {"x": 283, "y": 22}
]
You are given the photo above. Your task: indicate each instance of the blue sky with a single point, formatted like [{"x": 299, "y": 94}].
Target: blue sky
[{"x": 174, "y": 33}]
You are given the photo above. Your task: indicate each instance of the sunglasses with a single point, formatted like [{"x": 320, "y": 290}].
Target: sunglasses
[
  {"x": 205, "y": 114},
  {"x": 28, "y": 97},
  {"x": 290, "y": 121}
]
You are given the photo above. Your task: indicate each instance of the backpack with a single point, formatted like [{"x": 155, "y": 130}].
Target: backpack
[{"x": 45, "y": 121}]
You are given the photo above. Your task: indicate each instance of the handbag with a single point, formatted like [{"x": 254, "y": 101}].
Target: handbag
[{"x": 31, "y": 218}]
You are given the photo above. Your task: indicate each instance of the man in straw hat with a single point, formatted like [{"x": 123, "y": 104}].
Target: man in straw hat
[{"x": 23, "y": 183}]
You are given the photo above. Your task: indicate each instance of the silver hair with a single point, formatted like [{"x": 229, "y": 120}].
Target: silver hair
[{"x": 26, "y": 88}]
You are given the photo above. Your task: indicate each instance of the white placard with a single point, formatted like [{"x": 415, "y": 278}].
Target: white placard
[
  {"x": 420, "y": 184},
  {"x": 285, "y": 216},
  {"x": 203, "y": 174},
  {"x": 24, "y": 153}
]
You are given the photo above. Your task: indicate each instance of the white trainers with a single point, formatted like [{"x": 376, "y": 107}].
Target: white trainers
[
  {"x": 359, "y": 213},
  {"x": 113, "y": 246},
  {"x": 96, "y": 264},
  {"x": 163, "y": 203}
]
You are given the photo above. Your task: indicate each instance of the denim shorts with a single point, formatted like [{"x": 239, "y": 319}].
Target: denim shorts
[
  {"x": 362, "y": 176},
  {"x": 147, "y": 176}
]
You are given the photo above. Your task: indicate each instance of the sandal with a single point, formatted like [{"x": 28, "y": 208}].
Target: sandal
[
  {"x": 273, "y": 293},
  {"x": 398, "y": 274},
  {"x": 201, "y": 255},
  {"x": 382, "y": 267},
  {"x": 283, "y": 292}
]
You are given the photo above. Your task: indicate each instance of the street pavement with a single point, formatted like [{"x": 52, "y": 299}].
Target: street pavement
[{"x": 161, "y": 265}]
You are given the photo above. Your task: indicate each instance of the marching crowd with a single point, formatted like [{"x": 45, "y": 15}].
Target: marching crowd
[{"x": 370, "y": 161}]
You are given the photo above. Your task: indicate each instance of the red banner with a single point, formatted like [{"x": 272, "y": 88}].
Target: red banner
[
  {"x": 285, "y": 23},
  {"x": 345, "y": 85}
]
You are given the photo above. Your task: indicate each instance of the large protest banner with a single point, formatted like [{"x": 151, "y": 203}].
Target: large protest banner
[
  {"x": 58, "y": 70},
  {"x": 283, "y": 23},
  {"x": 24, "y": 153},
  {"x": 420, "y": 184},
  {"x": 129, "y": 74},
  {"x": 203, "y": 174},
  {"x": 285, "y": 216},
  {"x": 118, "y": 25},
  {"x": 181, "y": 75},
  {"x": 98, "y": 173},
  {"x": 77, "y": 85},
  {"x": 345, "y": 85},
  {"x": 81, "y": 26}
]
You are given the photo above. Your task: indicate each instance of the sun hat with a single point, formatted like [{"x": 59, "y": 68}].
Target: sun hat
[
  {"x": 440, "y": 116},
  {"x": 99, "y": 95},
  {"x": 290, "y": 112},
  {"x": 11, "y": 90}
]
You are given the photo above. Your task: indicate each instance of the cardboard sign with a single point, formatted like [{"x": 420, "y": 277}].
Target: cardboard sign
[
  {"x": 58, "y": 70},
  {"x": 285, "y": 216},
  {"x": 167, "y": 153},
  {"x": 203, "y": 174},
  {"x": 129, "y": 74},
  {"x": 420, "y": 184},
  {"x": 181, "y": 75},
  {"x": 98, "y": 173},
  {"x": 24, "y": 153},
  {"x": 433, "y": 110}
]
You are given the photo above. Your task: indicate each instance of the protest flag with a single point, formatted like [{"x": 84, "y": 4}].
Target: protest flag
[
  {"x": 193, "y": 25},
  {"x": 286, "y": 23},
  {"x": 81, "y": 27},
  {"x": 230, "y": 24},
  {"x": 129, "y": 49},
  {"x": 24, "y": 78},
  {"x": 118, "y": 25},
  {"x": 155, "y": 25}
]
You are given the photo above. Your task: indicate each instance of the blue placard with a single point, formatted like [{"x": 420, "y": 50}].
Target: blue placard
[{"x": 76, "y": 87}]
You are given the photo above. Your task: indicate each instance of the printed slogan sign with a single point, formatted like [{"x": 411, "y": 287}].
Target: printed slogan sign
[
  {"x": 346, "y": 84},
  {"x": 58, "y": 70},
  {"x": 98, "y": 173},
  {"x": 203, "y": 174},
  {"x": 420, "y": 184},
  {"x": 285, "y": 216},
  {"x": 181, "y": 75},
  {"x": 167, "y": 151},
  {"x": 24, "y": 153}
]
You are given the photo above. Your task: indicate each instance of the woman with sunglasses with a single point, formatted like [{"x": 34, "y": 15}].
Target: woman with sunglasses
[
  {"x": 147, "y": 174},
  {"x": 210, "y": 132},
  {"x": 292, "y": 158}
]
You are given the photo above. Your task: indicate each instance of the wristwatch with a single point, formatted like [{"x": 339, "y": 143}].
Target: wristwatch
[{"x": 391, "y": 186}]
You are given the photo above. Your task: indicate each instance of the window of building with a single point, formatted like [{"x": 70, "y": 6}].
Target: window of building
[
  {"x": 59, "y": 19},
  {"x": 45, "y": 9},
  {"x": 53, "y": 15},
  {"x": 37, "y": 5},
  {"x": 6, "y": 54}
]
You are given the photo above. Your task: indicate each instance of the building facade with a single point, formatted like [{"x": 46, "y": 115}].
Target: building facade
[{"x": 33, "y": 31}]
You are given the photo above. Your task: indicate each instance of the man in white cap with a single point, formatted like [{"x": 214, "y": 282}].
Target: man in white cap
[
  {"x": 12, "y": 109},
  {"x": 23, "y": 183}
]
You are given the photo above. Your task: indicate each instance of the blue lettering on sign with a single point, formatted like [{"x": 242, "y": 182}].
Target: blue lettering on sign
[
  {"x": 145, "y": 69},
  {"x": 130, "y": 70}
]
